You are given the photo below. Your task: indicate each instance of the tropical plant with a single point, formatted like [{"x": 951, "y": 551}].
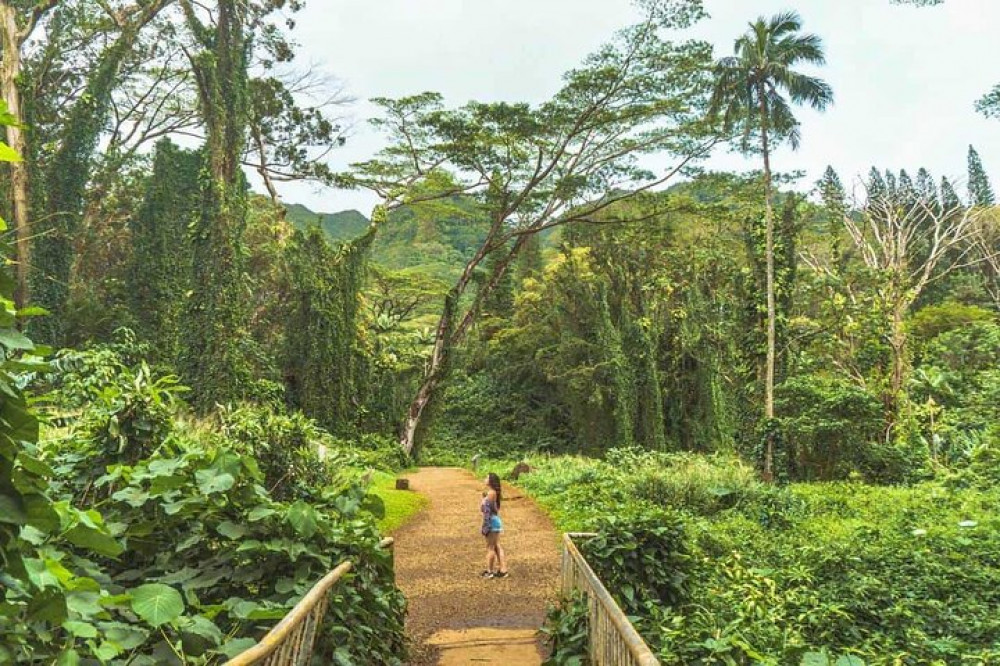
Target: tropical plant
[{"x": 749, "y": 96}]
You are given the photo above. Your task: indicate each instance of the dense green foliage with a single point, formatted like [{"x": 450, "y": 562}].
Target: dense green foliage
[
  {"x": 150, "y": 571},
  {"x": 324, "y": 364},
  {"x": 160, "y": 271},
  {"x": 720, "y": 568}
]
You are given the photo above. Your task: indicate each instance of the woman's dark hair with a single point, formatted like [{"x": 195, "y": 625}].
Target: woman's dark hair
[{"x": 493, "y": 481}]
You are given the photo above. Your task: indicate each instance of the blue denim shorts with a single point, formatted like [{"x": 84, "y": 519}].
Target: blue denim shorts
[{"x": 496, "y": 525}]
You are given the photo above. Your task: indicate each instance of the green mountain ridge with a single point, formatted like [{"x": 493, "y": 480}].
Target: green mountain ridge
[
  {"x": 342, "y": 226},
  {"x": 435, "y": 239}
]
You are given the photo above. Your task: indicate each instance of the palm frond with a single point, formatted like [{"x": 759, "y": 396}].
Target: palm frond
[{"x": 803, "y": 89}]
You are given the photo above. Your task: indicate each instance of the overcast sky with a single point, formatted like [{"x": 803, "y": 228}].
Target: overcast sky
[{"x": 905, "y": 79}]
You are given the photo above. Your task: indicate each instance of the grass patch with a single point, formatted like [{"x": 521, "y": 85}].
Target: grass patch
[{"x": 400, "y": 505}]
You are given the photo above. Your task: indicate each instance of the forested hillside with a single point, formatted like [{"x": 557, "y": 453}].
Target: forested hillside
[{"x": 776, "y": 398}]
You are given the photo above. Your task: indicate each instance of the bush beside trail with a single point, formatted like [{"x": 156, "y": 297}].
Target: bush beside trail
[
  {"x": 718, "y": 568},
  {"x": 175, "y": 540}
]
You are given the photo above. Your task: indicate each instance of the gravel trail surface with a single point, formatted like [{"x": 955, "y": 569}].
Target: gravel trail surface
[{"x": 456, "y": 617}]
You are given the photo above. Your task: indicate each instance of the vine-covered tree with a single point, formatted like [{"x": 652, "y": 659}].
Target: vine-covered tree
[
  {"x": 215, "y": 319},
  {"x": 322, "y": 356},
  {"x": 68, "y": 172},
  {"x": 160, "y": 271},
  {"x": 749, "y": 98},
  {"x": 18, "y": 21}
]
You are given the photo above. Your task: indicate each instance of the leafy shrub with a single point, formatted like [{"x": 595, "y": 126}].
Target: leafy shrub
[
  {"x": 831, "y": 427},
  {"x": 933, "y": 320},
  {"x": 82, "y": 375},
  {"x": 373, "y": 450},
  {"x": 822, "y": 573},
  {"x": 957, "y": 393},
  {"x": 643, "y": 558},
  {"x": 700, "y": 484},
  {"x": 477, "y": 416},
  {"x": 567, "y": 632},
  {"x": 184, "y": 555},
  {"x": 196, "y": 519},
  {"x": 286, "y": 446}
]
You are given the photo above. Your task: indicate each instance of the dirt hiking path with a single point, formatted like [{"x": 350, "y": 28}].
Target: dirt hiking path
[{"x": 455, "y": 617}]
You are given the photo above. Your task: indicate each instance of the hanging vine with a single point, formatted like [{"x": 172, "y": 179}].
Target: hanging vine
[
  {"x": 325, "y": 367},
  {"x": 160, "y": 273}
]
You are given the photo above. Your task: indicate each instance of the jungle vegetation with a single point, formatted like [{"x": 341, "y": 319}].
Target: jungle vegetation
[{"x": 788, "y": 394}]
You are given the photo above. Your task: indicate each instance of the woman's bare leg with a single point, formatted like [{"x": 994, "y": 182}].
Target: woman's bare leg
[
  {"x": 501, "y": 558},
  {"x": 491, "y": 551}
]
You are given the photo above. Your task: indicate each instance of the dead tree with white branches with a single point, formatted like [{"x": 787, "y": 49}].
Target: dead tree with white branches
[
  {"x": 909, "y": 240},
  {"x": 986, "y": 244}
]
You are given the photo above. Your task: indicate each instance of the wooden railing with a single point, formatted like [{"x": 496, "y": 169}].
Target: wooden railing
[
  {"x": 291, "y": 641},
  {"x": 613, "y": 641}
]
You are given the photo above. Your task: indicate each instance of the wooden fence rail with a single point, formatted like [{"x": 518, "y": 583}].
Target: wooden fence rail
[
  {"x": 291, "y": 641},
  {"x": 613, "y": 639}
]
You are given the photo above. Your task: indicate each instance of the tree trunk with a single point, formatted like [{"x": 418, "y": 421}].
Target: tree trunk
[
  {"x": 216, "y": 315},
  {"x": 772, "y": 314},
  {"x": 897, "y": 342},
  {"x": 10, "y": 70},
  {"x": 265, "y": 175},
  {"x": 445, "y": 336},
  {"x": 433, "y": 374}
]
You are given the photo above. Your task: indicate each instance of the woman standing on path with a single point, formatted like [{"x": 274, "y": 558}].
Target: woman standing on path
[{"x": 496, "y": 562}]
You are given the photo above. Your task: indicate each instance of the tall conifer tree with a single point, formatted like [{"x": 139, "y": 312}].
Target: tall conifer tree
[{"x": 980, "y": 190}]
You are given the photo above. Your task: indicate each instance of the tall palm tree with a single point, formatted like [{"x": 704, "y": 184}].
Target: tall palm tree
[{"x": 752, "y": 93}]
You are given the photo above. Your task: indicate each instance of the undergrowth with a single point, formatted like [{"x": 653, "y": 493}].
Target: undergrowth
[{"x": 718, "y": 568}]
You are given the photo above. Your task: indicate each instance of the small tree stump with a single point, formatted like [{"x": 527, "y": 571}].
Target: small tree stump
[
  {"x": 402, "y": 484},
  {"x": 519, "y": 469}
]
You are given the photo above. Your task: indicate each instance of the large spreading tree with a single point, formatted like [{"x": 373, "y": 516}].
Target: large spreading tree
[{"x": 565, "y": 161}]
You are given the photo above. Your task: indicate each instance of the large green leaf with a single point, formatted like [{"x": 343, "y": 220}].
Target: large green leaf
[
  {"x": 236, "y": 646},
  {"x": 231, "y": 530},
  {"x": 165, "y": 467},
  {"x": 107, "y": 651},
  {"x": 68, "y": 658},
  {"x": 259, "y": 513},
  {"x": 128, "y": 637},
  {"x": 12, "y": 510},
  {"x": 848, "y": 660},
  {"x": 210, "y": 481},
  {"x": 80, "y": 629},
  {"x": 12, "y": 339},
  {"x": 302, "y": 517},
  {"x": 94, "y": 539},
  {"x": 202, "y": 627},
  {"x": 134, "y": 497},
  {"x": 157, "y": 604},
  {"x": 8, "y": 154}
]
